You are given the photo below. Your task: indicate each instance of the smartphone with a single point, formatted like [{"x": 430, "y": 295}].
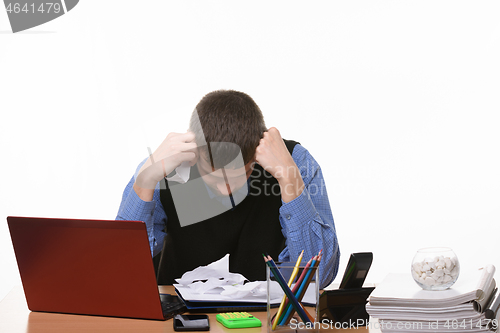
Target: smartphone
[{"x": 191, "y": 323}]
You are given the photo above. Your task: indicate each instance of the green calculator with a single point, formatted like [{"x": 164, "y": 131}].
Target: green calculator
[{"x": 238, "y": 320}]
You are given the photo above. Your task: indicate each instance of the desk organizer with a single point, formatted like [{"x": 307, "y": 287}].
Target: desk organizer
[
  {"x": 345, "y": 306},
  {"x": 309, "y": 301}
]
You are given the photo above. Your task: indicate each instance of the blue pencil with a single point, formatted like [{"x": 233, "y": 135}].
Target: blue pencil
[{"x": 270, "y": 262}]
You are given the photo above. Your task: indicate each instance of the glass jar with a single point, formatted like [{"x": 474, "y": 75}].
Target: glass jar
[{"x": 435, "y": 268}]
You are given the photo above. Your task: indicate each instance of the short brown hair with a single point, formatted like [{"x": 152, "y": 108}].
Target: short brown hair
[{"x": 228, "y": 116}]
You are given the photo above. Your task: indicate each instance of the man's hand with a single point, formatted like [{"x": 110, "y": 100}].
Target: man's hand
[
  {"x": 274, "y": 157},
  {"x": 175, "y": 149}
]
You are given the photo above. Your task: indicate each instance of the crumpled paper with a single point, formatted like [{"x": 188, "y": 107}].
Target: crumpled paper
[{"x": 215, "y": 279}]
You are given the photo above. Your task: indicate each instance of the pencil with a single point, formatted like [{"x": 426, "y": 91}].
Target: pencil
[
  {"x": 293, "y": 300},
  {"x": 288, "y": 311},
  {"x": 304, "y": 286},
  {"x": 302, "y": 289},
  {"x": 290, "y": 281},
  {"x": 301, "y": 295},
  {"x": 296, "y": 269},
  {"x": 295, "y": 304},
  {"x": 295, "y": 288}
]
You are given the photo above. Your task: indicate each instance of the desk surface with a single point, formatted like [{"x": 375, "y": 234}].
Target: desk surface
[{"x": 15, "y": 317}]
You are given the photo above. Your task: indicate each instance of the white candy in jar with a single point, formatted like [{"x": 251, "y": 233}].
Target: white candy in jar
[{"x": 435, "y": 271}]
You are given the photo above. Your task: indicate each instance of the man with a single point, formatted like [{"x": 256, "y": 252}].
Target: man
[{"x": 249, "y": 192}]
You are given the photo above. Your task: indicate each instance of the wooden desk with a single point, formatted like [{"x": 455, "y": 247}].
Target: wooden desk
[{"x": 16, "y": 318}]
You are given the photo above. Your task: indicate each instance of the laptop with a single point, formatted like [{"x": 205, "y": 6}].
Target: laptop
[{"x": 91, "y": 267}]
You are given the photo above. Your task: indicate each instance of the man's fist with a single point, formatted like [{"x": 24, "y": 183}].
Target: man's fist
[{"x": 274, "y": 157}]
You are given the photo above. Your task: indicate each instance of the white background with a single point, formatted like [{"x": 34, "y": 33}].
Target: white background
[{"x": 397, "y": 100}]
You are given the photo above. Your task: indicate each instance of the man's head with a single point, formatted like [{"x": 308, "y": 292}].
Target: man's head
[{"x": 231, "y": 123}]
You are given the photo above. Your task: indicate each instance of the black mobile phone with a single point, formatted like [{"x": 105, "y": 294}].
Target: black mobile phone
[
  {"x": 356, "y": 270},
  {"x": 191, "y": 323}
]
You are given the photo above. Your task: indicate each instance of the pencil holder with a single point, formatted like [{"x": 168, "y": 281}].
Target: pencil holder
[{"x": 299, "y": 313}]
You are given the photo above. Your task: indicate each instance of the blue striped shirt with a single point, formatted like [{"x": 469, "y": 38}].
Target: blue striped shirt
[{"x": 306, "y": 222}]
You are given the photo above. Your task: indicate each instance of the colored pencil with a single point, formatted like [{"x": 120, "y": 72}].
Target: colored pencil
[
  {"x": 288, "y": 309},
  {"x": 302, "y": 289},
  {"x": 311, "y": 318},
  {"x": 290, "y": 281},
  {"x": 302, "y": 292},
  {"x": 279, "y": 278},
  {"x": 296, "y": 287}
]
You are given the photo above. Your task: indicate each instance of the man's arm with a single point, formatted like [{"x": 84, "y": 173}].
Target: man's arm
[
  {"x": 141, "y": 198},
  {"x": 133, "y": 208},
  {"x": 307, "y": 221},
  {"x": 305, "y": 215}
]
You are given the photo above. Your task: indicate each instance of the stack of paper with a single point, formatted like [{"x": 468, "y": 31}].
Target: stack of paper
[{"x": 402, "y": 306}]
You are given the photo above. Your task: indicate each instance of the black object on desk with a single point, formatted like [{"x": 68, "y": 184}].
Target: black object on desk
[
  {"x": 348, "y": 303},
  {"x": 184, "y": 323},
  {"x": 171, "y": 305}
]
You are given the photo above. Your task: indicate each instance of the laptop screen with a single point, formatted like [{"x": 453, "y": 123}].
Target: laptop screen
[{"x": 90, "y": 267}]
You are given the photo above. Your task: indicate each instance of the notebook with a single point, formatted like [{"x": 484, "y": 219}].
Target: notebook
[
  {"x": 91, "y": 267},
  {"x": 206, "y": 307},
  {"x": 212, "y": 302}
]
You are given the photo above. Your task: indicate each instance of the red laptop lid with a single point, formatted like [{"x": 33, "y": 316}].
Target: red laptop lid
[{"x": 86, "y": 266}]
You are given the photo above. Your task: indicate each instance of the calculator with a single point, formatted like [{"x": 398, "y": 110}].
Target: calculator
[{"x": 238, "y": 320}]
